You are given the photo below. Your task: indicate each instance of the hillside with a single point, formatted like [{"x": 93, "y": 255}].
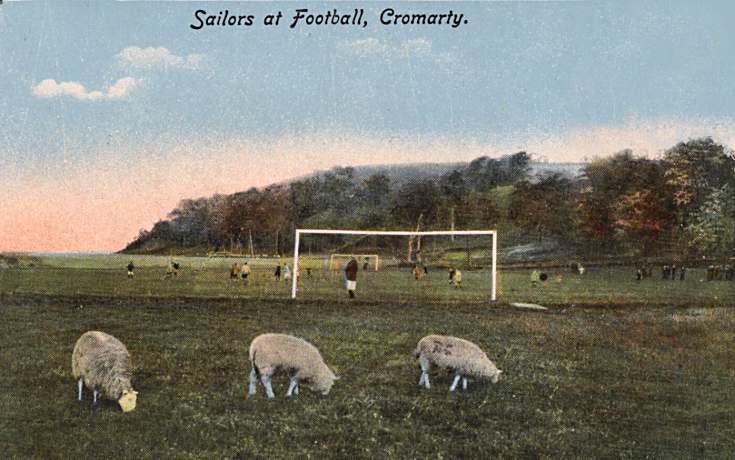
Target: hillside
[{"x": 679, "y": 206}]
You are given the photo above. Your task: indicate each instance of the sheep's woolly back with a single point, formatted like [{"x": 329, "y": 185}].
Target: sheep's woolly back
[
  {"x": 269, "y": 352},
  {"x": 455, "y": 353},
  {"x": 103, "y": 362}
]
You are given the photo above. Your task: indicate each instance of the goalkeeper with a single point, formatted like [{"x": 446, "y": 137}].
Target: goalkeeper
[{"x": 351, "y": 277}]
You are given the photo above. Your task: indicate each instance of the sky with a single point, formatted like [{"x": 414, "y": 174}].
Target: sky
[{"x": 114, "y": 112}]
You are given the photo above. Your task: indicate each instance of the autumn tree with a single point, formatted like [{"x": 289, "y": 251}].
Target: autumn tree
[
  {"x": 694, "y": 169},
  {"x": 603, "y": 184},
  {"x": 643, "y": 214},
  {"x": 711, "y": 228}
]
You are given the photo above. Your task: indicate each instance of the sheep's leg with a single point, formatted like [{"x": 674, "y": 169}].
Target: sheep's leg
[
  {"x": 464, "y": 383},
  {"x": 80, "y": 384},
  {"x": 424, "y": 379},
  {"x": 424, "y": 373},
  {"x": 455, "y": 382},
  {"x": 94, "y": 396},
  {"x": 253, "y": 382},
  {"x": 293, "y": 384},
  {"x": 296, "y": 388},
  {"x": 266, "y": 380}
]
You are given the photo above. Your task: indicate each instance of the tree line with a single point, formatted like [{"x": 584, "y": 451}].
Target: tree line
[{"x": 682, "y": 203}]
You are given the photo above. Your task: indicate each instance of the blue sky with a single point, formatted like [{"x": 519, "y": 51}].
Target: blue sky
[{"x": 114, "y": 90}]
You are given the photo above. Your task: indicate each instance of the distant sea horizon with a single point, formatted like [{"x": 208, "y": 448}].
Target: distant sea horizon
[{"x": 69, "y": 254}]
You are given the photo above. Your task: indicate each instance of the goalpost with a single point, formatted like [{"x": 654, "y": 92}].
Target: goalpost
[
  {"x": 374, "y": 257},
  {"x": 491, "y": 233}
]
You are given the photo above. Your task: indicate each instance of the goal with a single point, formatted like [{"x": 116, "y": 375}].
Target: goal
[
  {"x": 337, "y": 261},
  {"x": 490, "y": 234}
]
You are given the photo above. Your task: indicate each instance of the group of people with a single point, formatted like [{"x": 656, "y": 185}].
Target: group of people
[
  {"x": 238, "y": 271},
  {"x": 419, "y": 271},
  {"x": 242, "y": 271},
  {"x": 668, "y": 272},
  {"x": 286, "y": 272},
  {"x": 672, "y": 272},
  {"x": 720, "y": 273},
  {"x": 172, "y": 269}
]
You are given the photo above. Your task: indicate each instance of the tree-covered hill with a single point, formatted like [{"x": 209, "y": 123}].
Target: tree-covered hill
[{"x": 681, "y": 205}]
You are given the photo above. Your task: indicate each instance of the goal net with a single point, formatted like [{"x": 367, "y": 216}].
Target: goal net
[
  {"x": 396, "y": 265},
  {"x": 366, "y": 261}
]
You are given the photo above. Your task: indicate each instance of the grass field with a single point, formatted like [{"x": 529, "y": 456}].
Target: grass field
[
  {"x": 631, "y": 370},
  {"x": 209, "y": 278}
]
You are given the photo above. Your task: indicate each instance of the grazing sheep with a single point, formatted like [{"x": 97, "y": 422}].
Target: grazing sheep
[
  {"x": 466, "y": 358},
  {"x": 102, "y": 363},
  {"x": 269, "y": 352}
]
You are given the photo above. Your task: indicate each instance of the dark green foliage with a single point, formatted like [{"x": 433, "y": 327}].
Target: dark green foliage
[
  {"x": 544, "y": 207},
  {"x": 486, "y": 173},
  {"x": 416, "y": 199}
]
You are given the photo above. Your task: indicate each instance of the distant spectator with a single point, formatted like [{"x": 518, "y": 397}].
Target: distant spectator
[
  {"x": 417, "y": 272},
  {"x": 729, "y": 272},
  {"x": 245, "y": 272},
  {"x": 277, "y": 273},
  {"x": 286, "y": 272},
  {"x": 673, "y": 272},
  {"x": 682, "y": 273},
  {"x": 639, "y": 274},
  {"x": 665, "y": 272},
  {"x": 365, "y": 265},
  {"x": 535, "y": 277},
  {"x": 172, "y": 269},
  {"x": 455, "y": 277},
  {"x": 351, "y": 277},
  {"x": 426, "y": 270},
  {"x": 234, "y": 271}
]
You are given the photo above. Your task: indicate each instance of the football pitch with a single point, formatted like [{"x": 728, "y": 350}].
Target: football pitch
[{"x": 615, "y": 367}]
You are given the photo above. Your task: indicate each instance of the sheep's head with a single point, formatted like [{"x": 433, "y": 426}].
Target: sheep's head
[
  {"x": 324, "y": 383},
  {"x": 128, "y": 400},
  {"x": 496, "y": 377}
]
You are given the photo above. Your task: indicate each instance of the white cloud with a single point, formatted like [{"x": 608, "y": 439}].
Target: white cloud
[
  {"x": 155, "y": 58},
  {"x": 119, "y": 90},
  {"x": 374, "y": 47}
]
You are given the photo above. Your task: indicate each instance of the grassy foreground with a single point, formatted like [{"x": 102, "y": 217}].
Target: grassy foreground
[{"x": 625, "y": 382}]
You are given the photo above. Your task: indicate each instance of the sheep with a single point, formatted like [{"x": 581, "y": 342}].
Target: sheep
[
  {"x": 269, "y": 352},
  {"x": 466, "y": 358},
  {"x": 102, "y": 363}
]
